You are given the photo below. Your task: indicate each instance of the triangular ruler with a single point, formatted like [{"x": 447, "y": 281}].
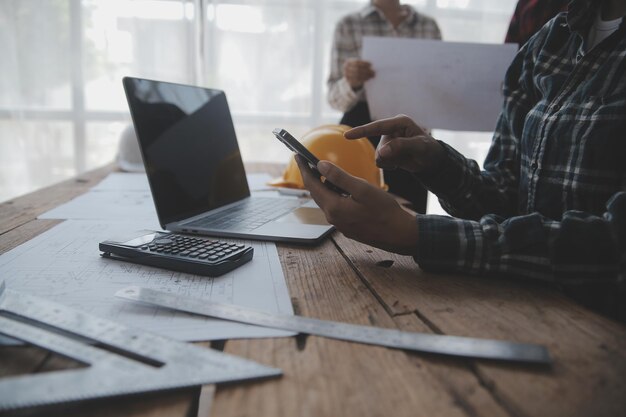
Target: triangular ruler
[{"x": 121, "y": 360}]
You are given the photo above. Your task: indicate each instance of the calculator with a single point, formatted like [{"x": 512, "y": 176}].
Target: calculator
[{"x": 179, "y": 252}]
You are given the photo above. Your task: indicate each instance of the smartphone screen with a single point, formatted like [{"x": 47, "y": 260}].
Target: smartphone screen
[{"x": 293, "y": 144}]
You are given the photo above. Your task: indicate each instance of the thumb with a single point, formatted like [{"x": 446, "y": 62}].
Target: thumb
[{"x": 353, "y": 185}]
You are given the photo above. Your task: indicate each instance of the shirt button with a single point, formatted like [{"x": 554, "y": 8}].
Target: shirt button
[{"x": 534, "y": 166}]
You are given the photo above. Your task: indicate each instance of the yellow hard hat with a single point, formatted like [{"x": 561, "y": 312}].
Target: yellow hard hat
[{"x": 327, "y": 143}]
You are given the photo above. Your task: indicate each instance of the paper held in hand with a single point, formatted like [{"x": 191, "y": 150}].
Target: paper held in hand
[{"x": 440, "y": 85}]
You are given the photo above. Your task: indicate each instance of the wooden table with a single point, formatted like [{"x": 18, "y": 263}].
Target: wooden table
[{"x": 346, "y": 281}]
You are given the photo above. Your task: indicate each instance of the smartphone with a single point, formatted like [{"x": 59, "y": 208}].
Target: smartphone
[{"x": 293, "y": 144}]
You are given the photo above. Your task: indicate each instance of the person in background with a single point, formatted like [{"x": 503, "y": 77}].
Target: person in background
[
  {"x": 348, "y": 72},
  {"x": 530, "y": 16},
  {"x": 549, "y": 204}
]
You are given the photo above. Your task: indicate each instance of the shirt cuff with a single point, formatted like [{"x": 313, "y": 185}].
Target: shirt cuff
[
  {"x": 347, "y": 97},
  {"x": 447, "y": 180},
  {"x": 448, "y": 244}
]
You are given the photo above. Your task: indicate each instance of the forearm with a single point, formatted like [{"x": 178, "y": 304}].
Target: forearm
[
  {"x": 467, "y": 192},
  {"x": 341, "y": 96},
  {"x": 580, "y": 248},
  {"x": 463, "y": 189}
]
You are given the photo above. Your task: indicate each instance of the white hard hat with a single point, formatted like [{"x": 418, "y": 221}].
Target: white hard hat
[{"x": 128, "y": 154}]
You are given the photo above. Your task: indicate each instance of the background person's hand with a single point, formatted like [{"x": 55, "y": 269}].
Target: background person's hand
[
  {"x": 357, "y": 72},
  {"x": 404, "y": 144},
  {"x": 369, "y": 215}
]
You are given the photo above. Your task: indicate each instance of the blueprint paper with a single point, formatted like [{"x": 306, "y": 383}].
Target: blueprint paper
[
  {"x": 440, "y": 85},
  {"x": 63, "y": 265}
]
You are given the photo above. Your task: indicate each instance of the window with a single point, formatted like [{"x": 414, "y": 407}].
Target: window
[{"x": 62, "y": 107}]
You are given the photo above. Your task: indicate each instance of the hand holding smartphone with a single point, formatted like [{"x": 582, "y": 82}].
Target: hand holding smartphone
[{"x": 293, "y": 144}]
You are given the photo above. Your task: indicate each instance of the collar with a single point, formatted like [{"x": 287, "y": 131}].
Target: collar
[{"x": 372, "y": 10}]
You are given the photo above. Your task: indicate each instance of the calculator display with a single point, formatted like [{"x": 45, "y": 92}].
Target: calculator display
[{"x": 142, "y": 240}]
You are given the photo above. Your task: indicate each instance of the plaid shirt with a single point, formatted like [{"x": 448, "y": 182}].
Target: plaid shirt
[
  {"x": 550, "y": 203},
  {"x": 348, "y": 41},
  {"x": 530, "y": 16}
]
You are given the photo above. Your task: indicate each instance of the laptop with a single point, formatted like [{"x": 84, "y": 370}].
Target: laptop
[{"x": 196, "y": 175}]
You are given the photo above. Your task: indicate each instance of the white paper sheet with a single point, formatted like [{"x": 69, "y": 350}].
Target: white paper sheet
[
  {"x": 258, "y": 182},
  {"x": 124, "y": 181},
  {"x": 63, "y": 265},
  {"x": 126, "y": 196},
  {"x": 111, "y": 205},
  {"x": 441, "y": 85}
]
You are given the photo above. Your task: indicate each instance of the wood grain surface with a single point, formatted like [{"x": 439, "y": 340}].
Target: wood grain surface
[{"x": 346, "y": 281}]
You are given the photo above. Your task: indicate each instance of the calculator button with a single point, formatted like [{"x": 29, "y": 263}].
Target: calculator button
[
  {"x": 220, "y": 254},
  {"x": 185, "y": 253},
  {"x": 194, "y": 254},
  {"x": 203, "y": 256},
  {"x": 212, "y": 257}
]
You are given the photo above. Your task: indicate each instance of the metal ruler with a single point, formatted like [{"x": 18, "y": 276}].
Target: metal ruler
[
  {"x": 120, "y": 360},
  {"x": 419, "y": 342}
]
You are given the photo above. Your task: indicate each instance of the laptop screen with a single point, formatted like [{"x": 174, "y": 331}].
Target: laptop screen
[{"x": 189, "y": 147}]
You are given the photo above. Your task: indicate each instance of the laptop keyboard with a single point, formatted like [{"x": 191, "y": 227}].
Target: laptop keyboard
[{"x": 248, "y": 215}]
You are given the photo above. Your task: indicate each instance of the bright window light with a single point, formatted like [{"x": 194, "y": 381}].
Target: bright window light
[
  {"x": 240, "y": 18},
  {"x": 453, "y": 4},
  {"x": 161, "y": 10}
]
